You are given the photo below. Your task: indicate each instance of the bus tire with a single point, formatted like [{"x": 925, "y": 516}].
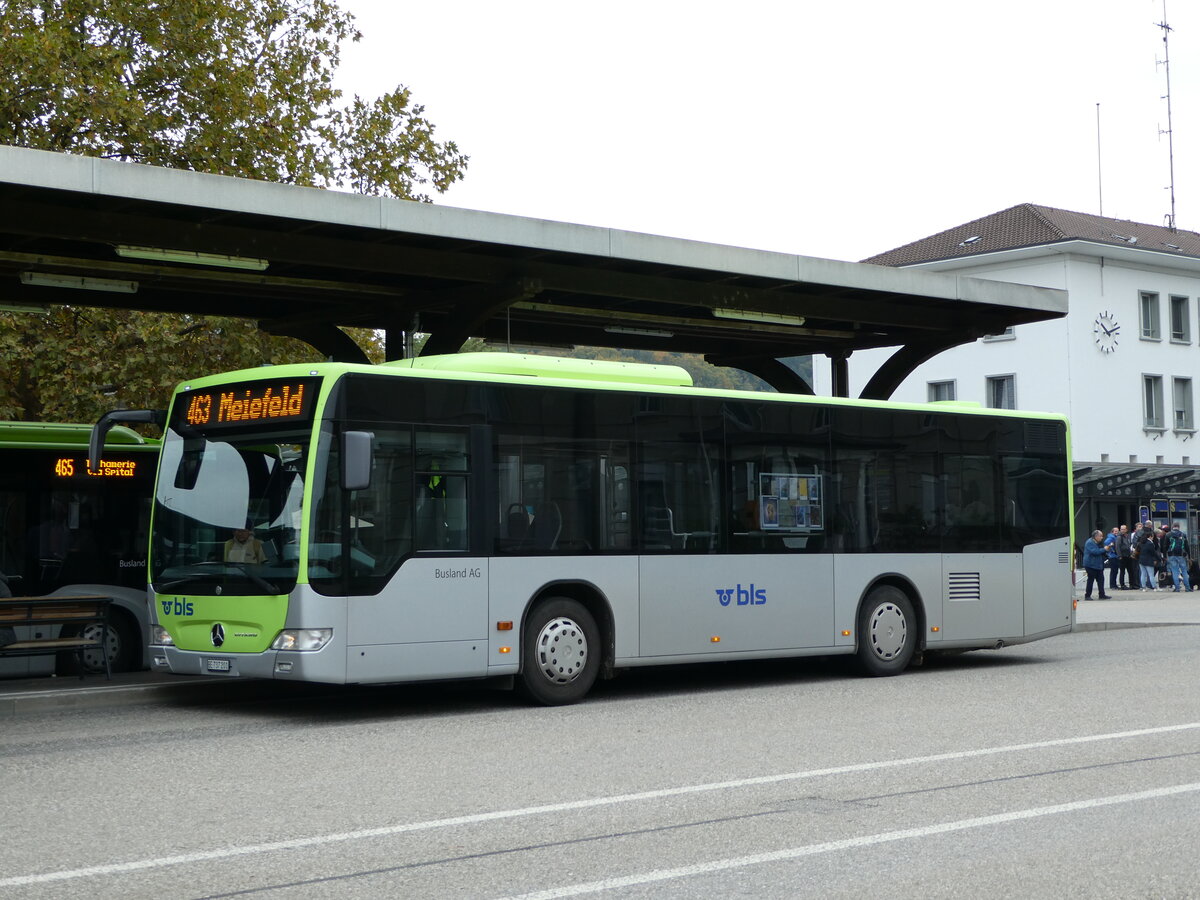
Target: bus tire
[
  {"x": 560, "y": 653},
  {"x": 124, "y": 647},
  {"x": 887, "y": 631}
]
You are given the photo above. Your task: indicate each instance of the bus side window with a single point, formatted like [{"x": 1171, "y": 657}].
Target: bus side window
[{"x": 442, "y": 486}]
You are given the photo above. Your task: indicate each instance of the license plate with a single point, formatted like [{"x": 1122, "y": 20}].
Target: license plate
[{"x": 218, "y": 665}]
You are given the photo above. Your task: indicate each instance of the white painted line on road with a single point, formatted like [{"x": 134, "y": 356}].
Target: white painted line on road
[
  {"x": 568, "y": 806},
  {"x": 870, "y": 840}
]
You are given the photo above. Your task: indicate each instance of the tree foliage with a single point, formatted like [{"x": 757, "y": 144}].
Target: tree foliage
[
  {"x": 76, "y": 362},
  {"x": 231, "y": 87}
]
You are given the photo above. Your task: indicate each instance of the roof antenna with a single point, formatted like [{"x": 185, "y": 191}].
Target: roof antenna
[
  {"x": 1165, "y": 62},
  {"x": 1099, "y": 170}
]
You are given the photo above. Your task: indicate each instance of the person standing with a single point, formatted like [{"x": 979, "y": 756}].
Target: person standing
[
  {"x": 1093, "y": 564},
  {"x": 1148, "y": 558},
  {"x": 1164, "y": 574},
  {"x": 1135, "y": 571},
  {"x": 1125, "y": 580},
  {"x": 1112, "y": 559},
  {"x": 1177, "y": 557}
]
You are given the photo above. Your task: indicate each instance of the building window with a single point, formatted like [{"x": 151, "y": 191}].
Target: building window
[
  {"x": 1152, "y": 402},
  {"x": 1149, "y": 313},
  {"x": 1181, "y": 393},
  {"x": 1002, "y": 391},
  {"x": 1181, "y": 323},
  {"x": 942, "y": 390}
]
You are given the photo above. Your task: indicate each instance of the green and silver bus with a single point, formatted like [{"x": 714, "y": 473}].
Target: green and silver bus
[
  {"x": 66, "y": 531},
  {"x": 554, "y": 520}
]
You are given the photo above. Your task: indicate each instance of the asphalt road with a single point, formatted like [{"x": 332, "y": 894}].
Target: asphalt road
[{"x": 1066, "y": 768}]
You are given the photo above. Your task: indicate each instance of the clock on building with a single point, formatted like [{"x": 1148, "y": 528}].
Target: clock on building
[{"x": 1106, "y": 331}]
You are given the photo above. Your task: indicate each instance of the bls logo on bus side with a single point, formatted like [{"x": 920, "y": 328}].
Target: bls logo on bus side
[{"x": 744, "y": 597}]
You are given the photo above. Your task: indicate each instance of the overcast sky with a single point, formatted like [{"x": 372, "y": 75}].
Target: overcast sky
[{"x": 840, "y": 128}]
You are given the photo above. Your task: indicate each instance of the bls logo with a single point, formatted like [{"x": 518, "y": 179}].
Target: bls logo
[
  {"x": 176, "y": 607},
  {"x": 745, "y": 597}
]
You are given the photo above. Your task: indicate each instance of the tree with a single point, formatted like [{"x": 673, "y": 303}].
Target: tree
[
  {"x": 231, "y": 87},
  {"x": 75, "y": 362}
]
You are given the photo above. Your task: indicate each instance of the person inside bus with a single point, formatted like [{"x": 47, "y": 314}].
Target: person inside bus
[{"x": 243, "y": 547}]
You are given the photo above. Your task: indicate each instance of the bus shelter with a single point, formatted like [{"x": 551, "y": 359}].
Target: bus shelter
[{"x": 302, "y": 261}]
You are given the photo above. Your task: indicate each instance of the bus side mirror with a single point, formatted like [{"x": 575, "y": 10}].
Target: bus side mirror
[
  {"x": 108, "y": 420},
  {"x": 357, "y": 459}
]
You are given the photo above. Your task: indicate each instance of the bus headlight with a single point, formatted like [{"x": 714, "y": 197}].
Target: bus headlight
[
  {"x": 302, "y": 639},
  {"x": 160, "y": 637}
]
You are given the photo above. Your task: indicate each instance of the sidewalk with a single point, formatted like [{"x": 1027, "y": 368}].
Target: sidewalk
[
  {"x": 22, "y": 696},
  {"x": 1134, "y": 609}
]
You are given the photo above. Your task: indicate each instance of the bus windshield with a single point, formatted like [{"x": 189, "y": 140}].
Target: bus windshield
[{"x": 227, "y": 513}]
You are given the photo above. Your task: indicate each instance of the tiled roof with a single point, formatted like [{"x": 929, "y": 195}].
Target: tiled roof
[{"x": 1027, "y": 225}]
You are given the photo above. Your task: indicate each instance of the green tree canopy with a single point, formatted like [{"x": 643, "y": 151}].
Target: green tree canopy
[
  {"x": 76, "y": 362},
  {"x": 231, "y": 87}
]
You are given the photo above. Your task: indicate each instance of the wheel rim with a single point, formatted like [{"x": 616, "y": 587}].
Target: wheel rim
[
  {"x": 562, "y": 650},
  {"x": 94, "y": 659},
  {"x": 888, "y": 631}
]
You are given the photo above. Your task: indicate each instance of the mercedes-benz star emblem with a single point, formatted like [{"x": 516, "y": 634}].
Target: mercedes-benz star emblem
[{"x": 218, "y": 635}]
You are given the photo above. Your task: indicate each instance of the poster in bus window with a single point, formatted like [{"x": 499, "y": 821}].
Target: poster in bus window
[{"x": 790, "y": 502}]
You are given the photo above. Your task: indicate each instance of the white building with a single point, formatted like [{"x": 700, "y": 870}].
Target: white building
[{"x": 1124, "y": 364}]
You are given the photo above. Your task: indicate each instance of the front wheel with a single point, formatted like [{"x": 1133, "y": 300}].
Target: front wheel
[
  {"x": 560, "y": 653},
  {"x": 124, "y": 647},
  {"x": 887, "y": 633}
]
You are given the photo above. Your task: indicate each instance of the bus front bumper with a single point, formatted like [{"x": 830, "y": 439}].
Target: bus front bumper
[{"x": 278, "y": 664}]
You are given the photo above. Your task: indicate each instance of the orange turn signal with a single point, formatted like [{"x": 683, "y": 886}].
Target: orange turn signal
[
  {"x": 506, "y": 649},
  {"x": 504, "y": 626}
]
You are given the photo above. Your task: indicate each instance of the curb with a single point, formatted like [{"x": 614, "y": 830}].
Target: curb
[
  {"x": 99, "y": 697},
  {"x": 1113, "y": 626},
  {"x": 193, "y": 690}
]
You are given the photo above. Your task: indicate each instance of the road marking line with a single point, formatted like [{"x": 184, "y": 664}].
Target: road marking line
[
  {"x": 569, "y": 806},
  {"x": 740, "y": 862}
]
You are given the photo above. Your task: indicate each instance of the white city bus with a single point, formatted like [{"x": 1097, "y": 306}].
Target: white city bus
[{"x": 555, "y": 520}]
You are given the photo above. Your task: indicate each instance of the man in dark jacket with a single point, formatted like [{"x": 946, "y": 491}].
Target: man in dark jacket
[
  {"x": 1128, "y": 571},
  {"x": 1093, "y": 564}
]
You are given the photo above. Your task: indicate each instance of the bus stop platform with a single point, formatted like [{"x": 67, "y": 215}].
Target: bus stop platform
[{"x": 63, "y": 694}]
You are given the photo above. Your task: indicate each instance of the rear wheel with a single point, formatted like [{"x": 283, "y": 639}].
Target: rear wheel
[
  {"x": 560, "y": 652},
  {"x": 887, "y": 633}
]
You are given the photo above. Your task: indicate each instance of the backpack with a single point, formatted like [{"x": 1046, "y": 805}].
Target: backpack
[{"x": 1175, "y": 544}]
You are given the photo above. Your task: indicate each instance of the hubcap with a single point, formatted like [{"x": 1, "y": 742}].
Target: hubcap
[
  {"x": 94, "y": 659},
  {"x": 888, "y": 630},
  {"x": 561, "y": 650}
]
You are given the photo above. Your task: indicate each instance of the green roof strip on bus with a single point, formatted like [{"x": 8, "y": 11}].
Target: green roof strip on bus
[
  {"x": 560, "y": 367},
  {"x": 65, "y": 433}
]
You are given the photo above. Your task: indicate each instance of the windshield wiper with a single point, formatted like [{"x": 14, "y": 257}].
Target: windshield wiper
[
  {"x": 206, "y": 578},
  {"x": 256, "y": 580}
]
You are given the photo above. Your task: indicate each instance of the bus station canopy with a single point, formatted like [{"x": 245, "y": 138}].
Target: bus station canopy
[{"x": 302, "y": 261}]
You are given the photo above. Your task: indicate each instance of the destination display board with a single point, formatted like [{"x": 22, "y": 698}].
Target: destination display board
[
  {"x": 76, "y": 467},
  {"x": 271, "y": 401}
]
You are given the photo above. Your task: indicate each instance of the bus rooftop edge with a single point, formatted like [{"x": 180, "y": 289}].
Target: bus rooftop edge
[{"x": 536, "y": 366}]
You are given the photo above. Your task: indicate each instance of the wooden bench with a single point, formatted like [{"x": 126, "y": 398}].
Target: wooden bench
[{"x": 69, "y": 612}]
